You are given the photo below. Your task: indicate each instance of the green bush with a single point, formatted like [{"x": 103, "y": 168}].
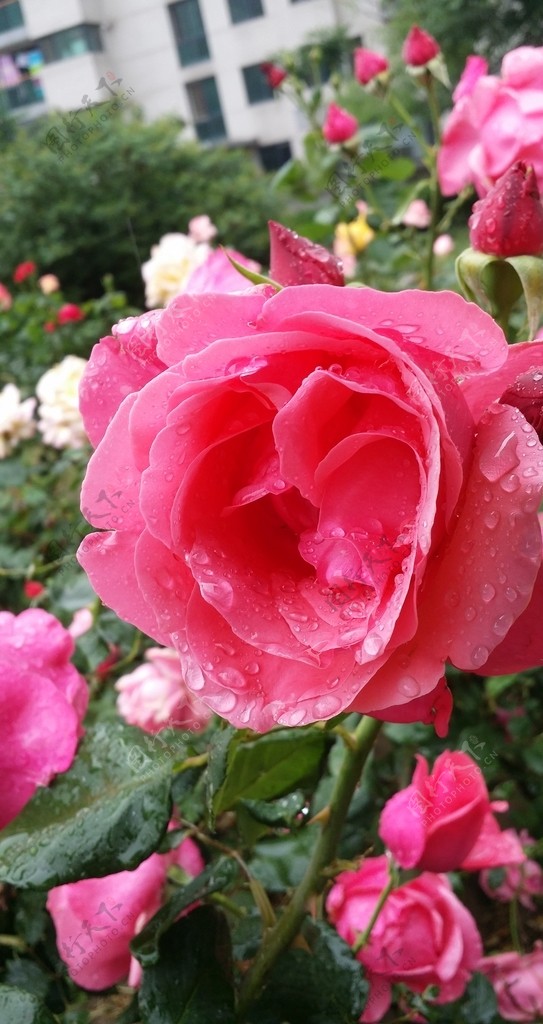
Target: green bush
[{"x": 98, "y": 209}]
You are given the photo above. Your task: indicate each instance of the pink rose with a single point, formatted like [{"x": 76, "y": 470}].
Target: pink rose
[
  {"x": 6, "y": 300},
  {"x": 520, "y": 881},
  {"x": 154, "y": 695},
  {"x": 518, "y": 984},
  {"x": 318, "y": 500},
  {"x": 216, "y": 273},
  {"x": 97, "y": 918},
  {"x": 339, "y": 125},
  {"x": 423, "y": 935},
  {"x": 433, "y": 823},
  {"x": 417, "y": 215},
  {"x": 42, "y": 702},
  {"x": 201, "y": 228},
  {"x": 474, "y": 68},
  {"x": 368, "y": 64},
  {"x": 497, "y": 123},
  {"x": 493, "y": 847},
  {"x": 419, "y": 47}
]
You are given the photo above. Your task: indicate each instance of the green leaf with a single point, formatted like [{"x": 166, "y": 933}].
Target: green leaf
[
  {"x": 214, "y": 878},
  {"x": 269, "y": 766},
  {"x": 333, "y": 989},
  {"x": 279, "y": 864},
  {"x": 480, "y": 1005},
  {"x": 106, "y": 814},
  {"x": 216, "y": 768},
  {"x": 191, "y": 983},
  {"x": 276, "y": 813},
  {"x": 18, "y": 1007}
]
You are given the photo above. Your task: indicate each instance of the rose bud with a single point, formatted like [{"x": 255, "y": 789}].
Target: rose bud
[
  {"x": 368, "y": 65},
  {"x": 339, "y": 124},
  {"x": 274, "y": 74},
  {"x": 509, "y": 220},
  {"x": 296, "y": 260},
  {"x": 419, "y": 47},
  {"x": 70, "y": 313},
  {"x": 23, "y": 270},
  {"x": 33, "y": 589}
]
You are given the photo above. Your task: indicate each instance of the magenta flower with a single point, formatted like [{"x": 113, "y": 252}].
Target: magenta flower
[
  {"x": 419, "y": 47},
  {"x": 474, "y": 68},
  {"x": 339, "y": 125},
  {"x": 42, "y": 702},
  {"x": 508, "y": 221},
  {"x": 518, "y": 984},
  {"x": 423, "y": 935},
  {"x": 368, "y": 64}
]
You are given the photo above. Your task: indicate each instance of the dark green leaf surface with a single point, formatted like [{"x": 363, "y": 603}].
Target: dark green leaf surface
[
  {"x": 18, "y": 1007},
  {"x": 107, "y": 814},
  {"x": 190, "y": 984}
]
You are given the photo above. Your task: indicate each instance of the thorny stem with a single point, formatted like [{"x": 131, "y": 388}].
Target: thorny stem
[
  {"x": 434, "y": 186},
  {"x": 288, "y": 926}
]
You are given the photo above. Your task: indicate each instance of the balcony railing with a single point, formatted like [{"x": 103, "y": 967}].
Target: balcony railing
[{"x": 22, "y": 95}]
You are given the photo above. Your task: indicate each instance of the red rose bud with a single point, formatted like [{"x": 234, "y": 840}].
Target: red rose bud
[
  {"x": 23, "y": 270},
  {"x": 33, "y": 589},
  {"x": 419, "y": 47},
  {"x": 339, "y": 125},
  {"x": 275, "y": 75},
  {"x": 368, "y": 64},
  {"x": 509, "y": 220},
  {"x": 526, "y": 394},
  {"x": 50, "y": 326},
  {"x": 104, "y": 667},
  {"x": 69, "y": 313},
  {"x": 297, "y": 260}
]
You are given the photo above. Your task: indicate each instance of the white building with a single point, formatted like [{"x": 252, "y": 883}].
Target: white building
[{"x": 197, "y": 59}]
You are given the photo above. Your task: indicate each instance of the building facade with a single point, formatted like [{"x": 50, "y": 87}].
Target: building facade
[{"x": 197, "y": 59}]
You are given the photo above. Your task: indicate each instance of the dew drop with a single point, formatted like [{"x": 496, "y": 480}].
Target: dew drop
[
  {"x": 408, "y": 686},
  {"x": 511, "y": 594},
  {"x": 503, "y": 624},
  {"x": 452, "y": 599},
  {"x": 478, "y": 656},
  {"x": 470, "y": 613},
  {"x": 491, "y": 519},
  {"x": 223, "y": 703},
  {"x": 488, "y": 592},
  {"x": 252, "y": 668},
  {"x": 232, "y": 678},
  {"x": 327, "y": 707},
  {"x": 510, "y": 483}
]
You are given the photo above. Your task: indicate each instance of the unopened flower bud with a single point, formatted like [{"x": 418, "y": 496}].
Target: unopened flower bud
[
  {"x": 419, "y": 47},
  {"x": 509, "y": 220}
]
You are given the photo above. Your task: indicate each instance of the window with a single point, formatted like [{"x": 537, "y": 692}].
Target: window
[
  {"x": 206, "y": 110},
  {"x": 243, "y": 10},
  {"x": 273, "y": 157},
  {"x": 256, "y": 84},
  {"x": 189, "y": 31},
  {"x": 23, "y": 94},
  {"x": 70, "y": 42},
  {"x": 11, "y": 16}
]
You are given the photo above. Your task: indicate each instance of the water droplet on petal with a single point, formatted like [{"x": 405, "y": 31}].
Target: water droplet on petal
[
  {"x": 408, "y": 686},
  {"x": 503, "y": 624},
  {"x": 327, "y": 707},
  {"x": 491, "y": 519},
  {"x": 510, "y": 483},
  {"x": 488, "y": 592},
  {"x": 373, "y": 644},
  {"x": 478, "y": 656},
  {"x": 252, "y": 669},
  {"x": 452, "y": 599},
  {"x": 223, "y": 703},
  {"x": 470, "y": 613}
]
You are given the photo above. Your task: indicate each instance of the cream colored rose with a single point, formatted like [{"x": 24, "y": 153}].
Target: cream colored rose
[
  {"x": 172, "y": 261},
  {"x": 16, "y": 420},
  {"x": 60, "y": 421}
]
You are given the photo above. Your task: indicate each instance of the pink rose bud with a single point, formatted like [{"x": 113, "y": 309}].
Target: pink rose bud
[
  {"x": 417, "y": 215},
  {"x": 33, "y": 589},
  {"x": 5, "y": 297},
  {"x": 154, "y": 695},
  {"x": 509, "y": 220},
  {"x": 69, "y": 313},
  {"x": 296, "y": 260},
  {"x": 24, "y": 270},
  {"x": 518, "y": 983},
  {"x": 443, "y": 245},
  {"x": 434, "y": 822},
  {"x": 419, "y": 47},
  {"x": 520, "y": 881},
  {"x": 275, "y": 75},
  {"x": 339, "y": 125},
  {"x": 474, "y": 68},
  {"x": 368, "y": 64},
  {"x": 526, "y": 394}
]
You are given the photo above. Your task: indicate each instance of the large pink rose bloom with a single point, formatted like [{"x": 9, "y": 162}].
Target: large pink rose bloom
[
  {"x": 316, "y": 498},
  {"x": 434, "y": 822},
  {"x": 518, "y": 983},
  {"x": 495, "y": 122},
  {"x": 97, "y": 918},
  {"x": 423, "y": 935},
  {"x": 42, "y": 702}
]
